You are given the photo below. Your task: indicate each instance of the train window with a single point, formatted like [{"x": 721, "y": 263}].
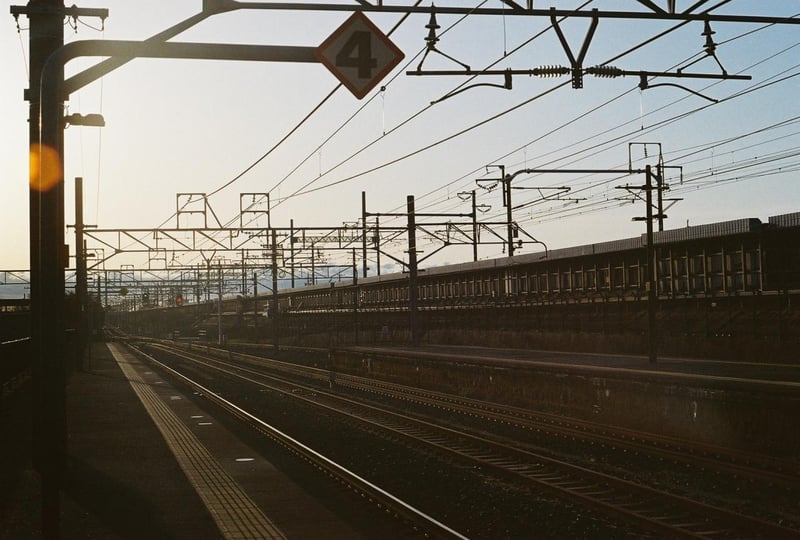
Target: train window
[
  {"x": 603, "y": 277},
  {"x": 618, "y": 277},
  {"x": 715, "y": 263},
  {"x": 617, "y": 273},
  {"x": 734, "y": 261},
  {"x": 577, "y": 279},
  {"x": 510, "y": 282},
  {"x": 715, "y": 271},
  {"x": 698, "y": 273},
  {"x": 665, "y": 267},
  {"x": 752, "y": 265},
  {"x": 591, "y": 279},
  {"x": 565, "y": 281},
  {"x": 680, "y": 275},
  {"x": 633, "y": 276},
  {"x": 543, "y": 288},
  {"x": 552, "y": 282},
  {"x": 734, "y": 270}
]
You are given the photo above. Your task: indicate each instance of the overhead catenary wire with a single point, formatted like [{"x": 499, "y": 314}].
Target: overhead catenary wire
[
  {"x": 376, "y": 169},
  {"x": 582, "y": 115},
  {"x": 303, "y": 191},
  {"x": 654, "y": 127},
  {"x": 300, "y": 191}
]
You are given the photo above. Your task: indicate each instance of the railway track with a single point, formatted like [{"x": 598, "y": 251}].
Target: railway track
[
  {"x": 649, "y": 509},
  {"x": 426, "y": 525},
  {"x": 703, "y": 457}
]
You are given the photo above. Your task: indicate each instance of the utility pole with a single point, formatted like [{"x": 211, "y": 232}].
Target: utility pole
[
  {"x": 505, "y": 183},
  {"x": 474, "y": 226},
  {"x": 652, "y": 282},
  {"x": 80, "y": 273},
  {"x": 364, "y": 232},
  {"x": 412, "y": 272},
  {"x": 355, "y": 297},
  {"x": 378, "y": 244},
  {"x": 291, "y": 249},
  {"x": 244, "y": 273},
  {"x": 46, "y": 222},
  {"x": 219, "y": 303},
  {"x": 275, "y": 326},
  {"x": 651, "y": 279},
  {"x": 509, "y": 214},
  {"x": 255, "y": 307}
]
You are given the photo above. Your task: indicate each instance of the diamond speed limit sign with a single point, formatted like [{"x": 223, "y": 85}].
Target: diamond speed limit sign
[{"x": 359, "y": 54}]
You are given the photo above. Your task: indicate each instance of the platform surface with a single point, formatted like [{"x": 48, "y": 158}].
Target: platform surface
[{"x": 143, "y": 461}]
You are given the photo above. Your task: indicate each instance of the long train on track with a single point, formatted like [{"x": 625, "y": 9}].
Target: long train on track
[{"x": 732, "y": 258}]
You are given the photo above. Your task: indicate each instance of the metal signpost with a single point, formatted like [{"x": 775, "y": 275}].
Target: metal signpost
[{"x": 359, "y": 54}]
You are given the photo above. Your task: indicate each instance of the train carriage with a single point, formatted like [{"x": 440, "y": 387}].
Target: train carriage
[{"x": 739, "y": 257}]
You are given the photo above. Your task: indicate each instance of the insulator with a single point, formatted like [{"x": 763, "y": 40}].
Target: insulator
[
  {"x": 432, "y": 27},
  {"x": 707, "y": 31},
  {"x": 604, "y": 71},
  {"x": 550, "y": 71},
  {"x": 432, "y": 24}
]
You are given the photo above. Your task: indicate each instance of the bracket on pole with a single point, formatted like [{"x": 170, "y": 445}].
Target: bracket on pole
[
  {"x": 576, "y": 63},
  {"x": 432, "y": 39}
]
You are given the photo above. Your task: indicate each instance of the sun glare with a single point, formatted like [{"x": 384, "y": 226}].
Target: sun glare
[{"x": 45, "y": 167}]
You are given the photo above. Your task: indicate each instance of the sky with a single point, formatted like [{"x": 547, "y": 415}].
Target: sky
[{"x": 194, "y": 126}]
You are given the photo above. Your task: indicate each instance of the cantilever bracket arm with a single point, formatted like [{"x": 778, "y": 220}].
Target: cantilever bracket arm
[
  {"x": 506, "y": 86},
  {"x": 644, "y": 85}
]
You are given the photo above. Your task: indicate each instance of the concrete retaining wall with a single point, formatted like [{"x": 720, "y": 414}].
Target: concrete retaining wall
[{"x": 725, "y": 414}]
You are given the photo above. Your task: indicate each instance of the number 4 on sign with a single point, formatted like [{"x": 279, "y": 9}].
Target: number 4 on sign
[{"x": 359, "y": 54}]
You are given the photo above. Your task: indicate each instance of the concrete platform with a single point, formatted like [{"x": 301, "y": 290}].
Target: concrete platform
[{"x": 145, "y": 462}]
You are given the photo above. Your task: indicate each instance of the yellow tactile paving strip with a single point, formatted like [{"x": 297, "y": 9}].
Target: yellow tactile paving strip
[{"x": 237, "y": 517}]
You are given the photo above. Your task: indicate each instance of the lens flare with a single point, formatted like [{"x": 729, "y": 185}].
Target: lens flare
[{"x": 45, "y": 167}]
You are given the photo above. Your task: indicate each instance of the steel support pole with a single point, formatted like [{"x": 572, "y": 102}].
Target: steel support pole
[
  {"x": 474, "y": 227},
  {"x": 255, "y": 307},
  {"x": 412, "y": 273},
  {"x": 651, "y": 270},
  {"x": 660, "y": 187},
  {"x": 275, "y": 324},
  {"x": 80, "y": 274},
  {"x": 355, "y": 298},
  {"x": 291, "y": 249},
  {"x": 47, "y": 260},
  {"x": 244, "y": 273},
  {"x": 378, "y": 245},
  {"x": 509, "y": 213},
  {"x": 219, "y": 303},
  {"x": 364, "y": 232}
]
